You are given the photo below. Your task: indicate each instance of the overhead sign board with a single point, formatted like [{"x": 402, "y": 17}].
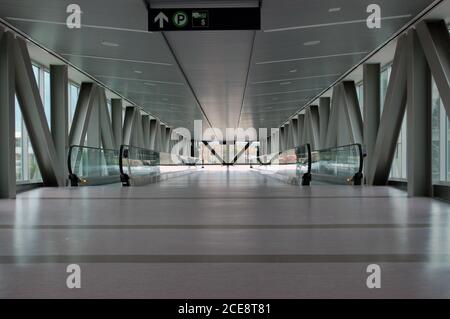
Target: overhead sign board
[{"x": 202, "y": 19}]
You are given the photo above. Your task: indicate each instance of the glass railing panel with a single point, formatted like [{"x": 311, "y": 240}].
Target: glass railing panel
[
  {"x": 90, "y": 165},
  {"x": 291, "y": 165},
  {"x": 138, "y": 162},
  {"x": 341, "y": 163}
]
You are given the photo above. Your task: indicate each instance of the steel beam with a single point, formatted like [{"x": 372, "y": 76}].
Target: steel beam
[
  {"x": 34, "y": 117},
  {"x": 333, "y": 123},
  {"x": 162, "y": 145},
  {"x": 352, "y": 112},
  {"x": 117, "y": 118},
  {"x": 7, "y": 116},
  {"x": 80, "y": 122},
  {"x": 94, "y": 139},
  {"x": 129, "y": 125},
  {"x": 314, "y": 127},
  {"x": 153, "y": 133},
  {"x": 282, "y": 138},
  {"x": 167, "y": 141},
  {"x": 418, "y": 120},
  {"x": 307, "y": 127},
  {"x": 94, "y": 133},
  {"x": 391, "y": 119},
  {"x": 300, "y": 129},
  {"x": 146, "y": 130},
  {"x": 324, "y": 116},
  {"x": 106, "y": 128},
  {"x": 139, "y": 130},
  {"x": 59, "y": 91},
  {"x": 435, "y": 40},
  {"x": 372, "y": 109}
]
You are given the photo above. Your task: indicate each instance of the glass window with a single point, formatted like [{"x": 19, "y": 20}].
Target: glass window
[
  {"x": 36, "y": 73},
  {"x": 440, "y": 139},
  {"x": 74, "y": 91},
  {"x": 360, "y": 94},
  {"x": 385, "y": 76},
  {"x": 19, "y": 144},
  {"x": 27, "y": 169},
  {"x": 108, "y": 103},
  {"x": 47, "y": 96}
]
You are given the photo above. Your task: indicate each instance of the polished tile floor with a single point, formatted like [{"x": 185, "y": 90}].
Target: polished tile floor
[{"x": 224, "y": 233}]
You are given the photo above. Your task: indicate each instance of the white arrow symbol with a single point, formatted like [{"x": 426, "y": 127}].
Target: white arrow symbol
[{"x": 161, "y": 17}]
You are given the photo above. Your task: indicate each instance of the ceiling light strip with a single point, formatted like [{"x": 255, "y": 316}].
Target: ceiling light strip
[
  {"x": 322, "y": 25},
  {"x": 101, "y": 27},
  {"x": 139, "y": 80},
  {"x": 313, "y": 58},
  {"x": 296, "y": 79},
  {"x": 276, "y": 103},
  {"x": 286, "y": 92},
  {"x": 114, "y": 59}
]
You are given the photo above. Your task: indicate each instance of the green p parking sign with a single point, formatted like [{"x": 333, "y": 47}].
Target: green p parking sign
[{"x": 180, "y": 19}]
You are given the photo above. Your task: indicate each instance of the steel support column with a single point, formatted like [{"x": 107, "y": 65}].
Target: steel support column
[
  {"x": 34, "y": 117},
  {"x": 59, "y": 90},
  {"x": 372, "y": 109},
  {"x": 282, "y": 139},
  {"x": 162, "y": 145},
  {"x": 436, "y": 43},
  {"x": 352, "y": 112},
  {"x": 139, "y": 133},
  {"x": 418, "y": 119},
  {"x": 146, "y": 130},
  {"x": 300, "y": 129},
  {"x": 153, "y": 132},
  {"x": 80, "y": 122},
  {"x": 7, "y": 117},
  {"x": 324, "y": 116},
  {"x": 167, "y": 141},
  {"x": 106, "y": 129},
  {"x": 333, "y": 122},
  {"x": 314, "y": 127},
  {"x": 116, "y": 119},
  {"x": 129, "y": 125},
  {"x": 391, "y": 119},
  {"x": 294, "y": 132}
]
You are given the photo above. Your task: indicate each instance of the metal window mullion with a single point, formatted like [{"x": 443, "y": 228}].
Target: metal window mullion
[
  {"x": 443, "y": 144},
  {"x": 25, "y": 144}
]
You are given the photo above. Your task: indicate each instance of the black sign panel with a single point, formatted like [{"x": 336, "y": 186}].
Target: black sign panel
[{"x": 189, "y": 19}]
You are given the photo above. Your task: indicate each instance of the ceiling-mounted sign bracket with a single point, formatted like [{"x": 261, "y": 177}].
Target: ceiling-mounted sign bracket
[{"x": 203, "y": 19}]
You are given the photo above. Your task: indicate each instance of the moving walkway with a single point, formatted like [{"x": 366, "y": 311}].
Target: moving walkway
[
  {"x": 301, "y": 166},
  {"x": 130, "y": 165}
]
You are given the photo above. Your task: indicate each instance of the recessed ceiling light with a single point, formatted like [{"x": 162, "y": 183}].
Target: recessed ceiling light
[
  {"x": 109, "y": 44},
  {"x": 334, "y": 9},
  {"x": 311, "y": 43},
  {"x": 285, "y": 83},
  {"x": 138, "y": 72},
  {"x": 293, "y": 71}
]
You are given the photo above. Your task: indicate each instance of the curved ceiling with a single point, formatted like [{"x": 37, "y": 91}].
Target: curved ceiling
[{"x": 227, "y": 78}]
